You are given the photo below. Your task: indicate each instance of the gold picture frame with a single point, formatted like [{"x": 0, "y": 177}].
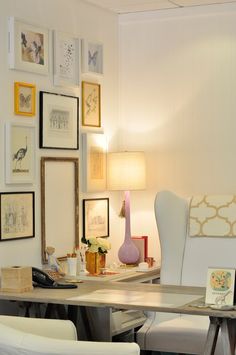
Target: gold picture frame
[
  {"x": 24, "y": 99},
  {"x": 91, "y": 104}
]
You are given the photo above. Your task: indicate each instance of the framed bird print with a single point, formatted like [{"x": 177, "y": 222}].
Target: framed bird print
[
  {"x": 91, "y": 108},
  {"x": 92, "y": 57},
  {"x": 20, "y": 159},
  {"x": 24, "y": 100},
  {"x": 28, "y": 47}
]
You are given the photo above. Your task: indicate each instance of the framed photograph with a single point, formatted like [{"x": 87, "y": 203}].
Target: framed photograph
[
  {"x": 94, "y": 150},
  {"x": 220, "y": 287},
  {"x": 17, "y": 215},
  {"x": 92, "y": 57},
  {"x": 96, "y": 217},
  {"x": 91, "y": 108},
  {"x": 66, "y": 59},
  {"x": 20, "y": 153},
  {"x": 24, "y": 99},
  {"x": 59, "y": 205},
  {"x": 28, "y": 47},
  {"x": 59, "y": 121}
]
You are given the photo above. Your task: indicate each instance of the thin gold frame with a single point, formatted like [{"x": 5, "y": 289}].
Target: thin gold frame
[
  {"x": 92, "y": 104},
  {"x": 17, "y": 87}
]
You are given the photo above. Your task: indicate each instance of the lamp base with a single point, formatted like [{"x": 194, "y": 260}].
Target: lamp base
[{"x": 128, "y": 252}]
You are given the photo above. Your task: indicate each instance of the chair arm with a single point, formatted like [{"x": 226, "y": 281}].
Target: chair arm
[{"x": 53, "y": 328}]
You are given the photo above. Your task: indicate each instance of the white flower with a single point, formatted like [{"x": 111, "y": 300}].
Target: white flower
[{"x": 96, "y": 245}]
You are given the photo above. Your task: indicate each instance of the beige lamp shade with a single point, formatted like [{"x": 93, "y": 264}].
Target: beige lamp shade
[{"x": 126, "y": 171}]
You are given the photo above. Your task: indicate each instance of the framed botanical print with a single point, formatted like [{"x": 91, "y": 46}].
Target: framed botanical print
[
  {"x": 59, "y": 121},
  {"x": 17, "y": 215},
  {"x": 24, "y": 99},
  {"x": 28, "y": 47},
  {"x": 94, "y": 162},
  {"x": 91, "y": 107},
  {"x": 96, "y": 217},
  {"x": 20, "y": 153},
  {"x": 66, "y": 59},
  {"x": 92, "y": 57}
]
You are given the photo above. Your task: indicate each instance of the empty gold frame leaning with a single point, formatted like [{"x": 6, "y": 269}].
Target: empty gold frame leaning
[{"x": 59, "y": 205}]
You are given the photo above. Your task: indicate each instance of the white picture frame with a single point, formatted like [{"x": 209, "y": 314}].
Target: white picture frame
[
  {"x": 220, "y": 286},
  {"x": 94, "y": 151},
  {"x": 28, "y": 47},
  {"x": 20, "y": 153},
  {"x": 92, "y": 57},
  {"x": 66, "y": 59}
]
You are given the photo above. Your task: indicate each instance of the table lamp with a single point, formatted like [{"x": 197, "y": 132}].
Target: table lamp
[{"x": 126, "y": 171}]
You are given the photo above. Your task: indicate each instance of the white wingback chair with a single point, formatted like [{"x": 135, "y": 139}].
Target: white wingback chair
[
  {"x": 36, "y": 336},
  {"x": 185, "y": 261}
]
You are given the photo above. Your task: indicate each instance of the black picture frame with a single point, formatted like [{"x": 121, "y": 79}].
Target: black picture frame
[
  {"x": 96, "y": 224},
  {"x": 17, "y": 211},
  {"x": 58, "y": 121}
]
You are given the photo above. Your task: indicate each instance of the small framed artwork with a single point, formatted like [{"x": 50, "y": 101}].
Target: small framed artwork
[
  {"x": 96, "y": 217},
  {"x": 94, "y": 161},
  {"x": 28, "y": 47},
  {"x": 220, "y": 287},
  {"x": 66, "y": 59},
  {"x": 17, "y": 215},
  {"x": 20, "y": 153},
  {"x": 24, "y": 99},
  {"x": 92, "y": 57},
  {"x": 91, "y": 110},
  {"x": 59, "y": 121}
]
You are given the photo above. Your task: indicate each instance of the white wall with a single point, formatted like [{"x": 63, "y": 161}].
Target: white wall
[
  {"x": 177, "y": 103},
  {"x": 84, "y": 21}
]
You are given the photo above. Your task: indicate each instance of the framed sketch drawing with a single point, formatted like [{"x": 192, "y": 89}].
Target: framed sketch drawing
[
  {"x": 94, "y": 150},
  {"x": 59, "y": 205},
  {"x": 24, "y": 99},
  {"x": 96, "y": 217},
  {"x": 59, "y": 118},
  {"x": 92, "y": 57},
  {"x": 91, "y": 108},
  {"x": 20, "y": 153},
  {"x": 28, "y": 47},
  {"x": 66, "y": 59},
  {"x": 17, "y": 215}
]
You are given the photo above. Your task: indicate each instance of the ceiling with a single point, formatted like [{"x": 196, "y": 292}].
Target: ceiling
[{"x": 128, "y": 6}]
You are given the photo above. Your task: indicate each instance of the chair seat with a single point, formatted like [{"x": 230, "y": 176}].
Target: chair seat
[{"x": 182, "y": 334}]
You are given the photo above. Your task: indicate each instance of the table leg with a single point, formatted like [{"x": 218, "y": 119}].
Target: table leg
[
  {"x": 228, "y": 334},
  {"x": 212, "y": 336}
]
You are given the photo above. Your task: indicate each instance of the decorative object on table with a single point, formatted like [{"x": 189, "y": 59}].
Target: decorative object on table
[
  {"x": 24, "y": 99},
  {"x": 53, "y": 263},
  {"x": 142, "y": 245},
  {"x": 92, "y": 57},
  {"x": 20, "y": 153},
  {"x": 71, "y": 264},
  {"x": 28, "y": 47},
  {"x": 66, "y": 59},
  {"x": 96, "y": 217},
  {"x": 96, "y": 253},
  {"x": 16, "y": 279},
  {"x": 59, "y": 204},
  {"x": 94, "y": 162},
  {"x": 220, "y": 286},
  {"x": 91, "y": 104},
  {"x": 59, "y": 117},
  {"x": 17, "y": 215},
  {"x": 126, "y": 171}
]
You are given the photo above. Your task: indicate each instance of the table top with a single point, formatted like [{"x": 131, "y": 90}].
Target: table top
[{"x": 124, "y": 295}]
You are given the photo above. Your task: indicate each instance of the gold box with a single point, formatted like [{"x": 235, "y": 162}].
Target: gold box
[{"x": 16, "y": 279}]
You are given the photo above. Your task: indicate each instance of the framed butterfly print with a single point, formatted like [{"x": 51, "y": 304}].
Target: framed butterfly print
[
  {"x": 92, "y": 57},
  {"x": 28, "y": 47},
  {"x": 24, "y": 100},
  {"x": 91, "y": 107},
  {"x": 66, "y": 59}
]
